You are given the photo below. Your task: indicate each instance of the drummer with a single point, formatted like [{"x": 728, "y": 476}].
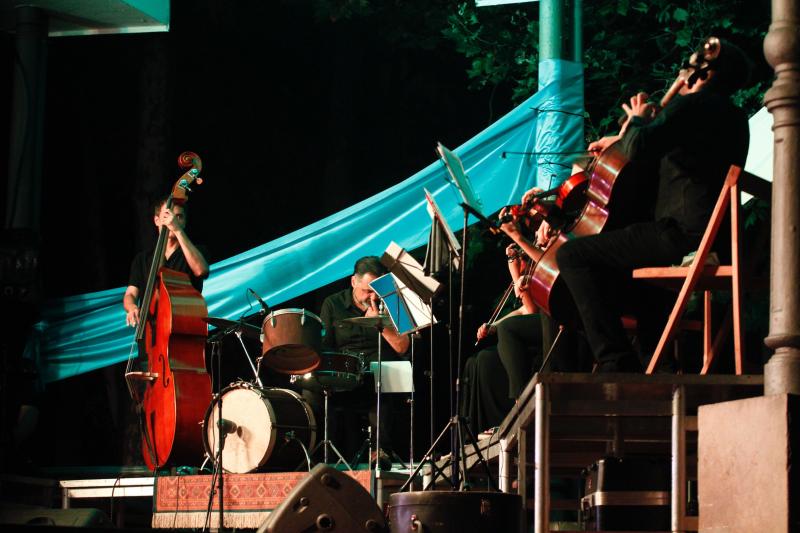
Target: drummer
[{"x": 358, "y": 300}]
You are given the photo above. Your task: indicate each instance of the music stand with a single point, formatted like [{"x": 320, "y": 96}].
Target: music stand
[
  {"x": 471, "y": 204},
  {"x": 406, "y": 308},
  {"x": 417, "y": 278}
]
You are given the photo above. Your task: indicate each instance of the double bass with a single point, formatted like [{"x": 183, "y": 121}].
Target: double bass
[{"x": 172, "y": 333}]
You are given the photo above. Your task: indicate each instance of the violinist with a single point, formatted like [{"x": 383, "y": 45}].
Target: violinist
[
  {"x": 494, "y": 377},
  {"x": 690, "y": 143},
  {"x": 181, "y": 254}
]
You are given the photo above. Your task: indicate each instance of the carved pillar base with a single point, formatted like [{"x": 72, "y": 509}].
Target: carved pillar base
[{"x": 782, "y": 371}]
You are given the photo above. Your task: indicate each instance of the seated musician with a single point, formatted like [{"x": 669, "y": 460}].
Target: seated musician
[
  {"x": 496, "y": 375},
  {"x": 181, "y": 255},
  {"x": 358, "y": 406},
  {"x": 690, "y": 144}
]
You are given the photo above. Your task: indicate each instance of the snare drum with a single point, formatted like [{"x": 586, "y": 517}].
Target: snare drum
[
  {"x": 261, "y": 418},
  {"x": 291, "y": 341},
  {"x": 336, "y": 372}
]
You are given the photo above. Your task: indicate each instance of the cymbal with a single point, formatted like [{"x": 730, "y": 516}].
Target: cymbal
[
  {"x": 248, "y": 330},
  {"x": 369, "y": 321}
]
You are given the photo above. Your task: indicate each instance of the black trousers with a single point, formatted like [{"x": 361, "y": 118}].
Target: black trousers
[
  {"x": 484, "y": 391},
  {"x": 597, "y": 271},
  {"x": 519, "y": 343}
]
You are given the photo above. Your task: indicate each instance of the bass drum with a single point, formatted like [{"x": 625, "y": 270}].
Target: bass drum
[{"x": 266, "y": 427}]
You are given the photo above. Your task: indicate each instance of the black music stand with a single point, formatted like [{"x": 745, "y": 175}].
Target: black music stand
[
  {"x": 405, "y": 306},
  {"x": 456, "y": 426}
]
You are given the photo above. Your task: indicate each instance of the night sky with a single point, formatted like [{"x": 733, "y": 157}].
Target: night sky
[{"x": 294, "y": 118}]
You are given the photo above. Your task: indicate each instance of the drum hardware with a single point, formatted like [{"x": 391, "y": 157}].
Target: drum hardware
[
  {"x": 291, "y": 341},
  {"x": 326, "y": 443},
  {"x": 238, "y": 327},
  {"x": 378, "y": 322},
  {"x": 225, "y": 326},
  {"x": 266, "y": 421},
  {"x": 337, "y": 372}
]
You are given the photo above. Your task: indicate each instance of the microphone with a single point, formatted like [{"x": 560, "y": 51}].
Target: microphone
[
  {"x": 227, "y": 426},
  {"x": 264, "y": 307}
]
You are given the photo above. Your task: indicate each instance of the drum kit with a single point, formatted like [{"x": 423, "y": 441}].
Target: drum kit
[{"x": 268, "y": 428}]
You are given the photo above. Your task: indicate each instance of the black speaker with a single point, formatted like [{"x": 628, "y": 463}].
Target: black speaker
[{"x": 327, "y": 500}]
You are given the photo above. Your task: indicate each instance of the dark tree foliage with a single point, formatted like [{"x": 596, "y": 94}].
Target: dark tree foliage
[{"x": 629, "y": 46}]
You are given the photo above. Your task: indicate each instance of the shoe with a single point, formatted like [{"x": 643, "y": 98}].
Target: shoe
[
  {"x": 626, "y": 364},
  {"x": 487, "y": 434},
  {"x": 384, "y": 460}
]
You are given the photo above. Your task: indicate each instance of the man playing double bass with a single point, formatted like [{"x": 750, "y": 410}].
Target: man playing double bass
[
  {"x": 689, "y": 144},
  {"x": 181, "y": 255}
]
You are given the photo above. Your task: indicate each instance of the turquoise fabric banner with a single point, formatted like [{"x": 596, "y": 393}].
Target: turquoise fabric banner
[{"x": 85, "y": 332}]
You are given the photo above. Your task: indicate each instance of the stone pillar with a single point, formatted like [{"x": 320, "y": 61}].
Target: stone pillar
[{"x": 782, "y": 51}]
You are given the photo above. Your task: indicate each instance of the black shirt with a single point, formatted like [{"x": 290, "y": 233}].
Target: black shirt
[
  {"x": 349, "y": 337},
  {"x": 692, "y": 143},
  {"x": 140, "y": 267}
]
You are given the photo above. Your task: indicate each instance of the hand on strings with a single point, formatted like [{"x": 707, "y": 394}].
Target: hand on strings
[
  {"x": 601, "y": 144},
  {"x": 544, "y": 234},
  {"x": 173, "y": 222},
  {"x": 639, "y": 107},
  {"x": 132, "y": 317},
  {"x": 530, "y": 194},
  {"x": 521, "y": 284},
  {"x": 485, "y": 330}
]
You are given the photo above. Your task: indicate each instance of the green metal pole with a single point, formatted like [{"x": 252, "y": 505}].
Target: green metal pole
[
  {"x": 551, "y": 20},
  {"x": 577, "y": 31}
]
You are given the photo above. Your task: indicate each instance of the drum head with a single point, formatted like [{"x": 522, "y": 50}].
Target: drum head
[
  {"x": 249, "y": 446},
  {"x": 291, "y": 359},
  {"x": 291, "y": 341}
]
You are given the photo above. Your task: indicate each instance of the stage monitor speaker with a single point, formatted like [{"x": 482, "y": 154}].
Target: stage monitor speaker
[{"x": 327, "y": 500}]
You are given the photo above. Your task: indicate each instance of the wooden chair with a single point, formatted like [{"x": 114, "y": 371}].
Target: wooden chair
[{"x": 701, "y": 277}]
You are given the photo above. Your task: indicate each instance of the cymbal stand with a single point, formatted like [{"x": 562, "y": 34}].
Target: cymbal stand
[
  {"x": 379, "y": 329},
  {"x": 256, "y": 371},
  {"x": 238, "y": 330}
]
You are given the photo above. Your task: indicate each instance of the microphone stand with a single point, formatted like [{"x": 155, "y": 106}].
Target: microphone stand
[{"x": 221, "y": 434}]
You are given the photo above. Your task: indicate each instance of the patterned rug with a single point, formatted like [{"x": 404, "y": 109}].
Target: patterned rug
[{"x": 182, "y": 501}]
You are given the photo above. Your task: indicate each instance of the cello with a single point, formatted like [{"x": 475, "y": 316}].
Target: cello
[
  {"x": 172, "y": 333},
  {"x": 610, "y": 185}
]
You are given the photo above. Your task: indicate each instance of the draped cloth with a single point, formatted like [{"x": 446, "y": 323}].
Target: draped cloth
[{"x": 85, "y": 332}]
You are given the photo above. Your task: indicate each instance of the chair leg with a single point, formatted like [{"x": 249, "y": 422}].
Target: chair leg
[
  {"x": 707, "y": 317},
  {"x": 718, "y": 339}
]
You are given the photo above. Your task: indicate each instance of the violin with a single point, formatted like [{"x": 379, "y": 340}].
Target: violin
[{"x": 567, "y": 201}]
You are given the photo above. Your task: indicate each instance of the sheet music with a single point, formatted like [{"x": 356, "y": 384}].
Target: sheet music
[
  {"x": 456, "y": 170},
  {"x": 435, "y": 212},
  {"x": 399, "y": 262},
  {"x": 407, "y": 310},
  {"x": 396, "y": 376}
]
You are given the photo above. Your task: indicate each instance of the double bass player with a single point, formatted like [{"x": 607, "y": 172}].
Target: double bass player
[{"x": 181, "y": 255}]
